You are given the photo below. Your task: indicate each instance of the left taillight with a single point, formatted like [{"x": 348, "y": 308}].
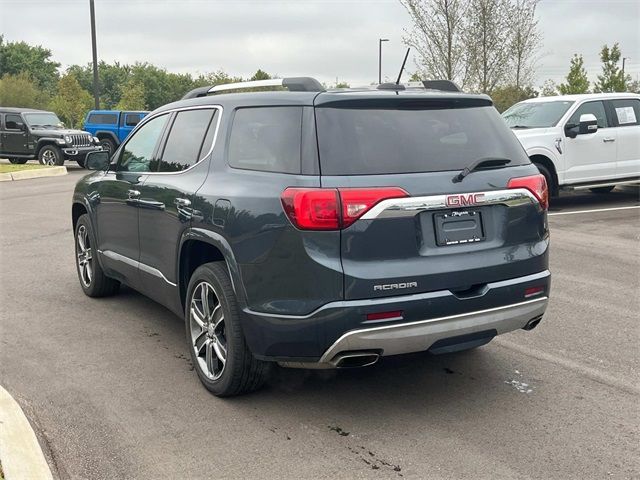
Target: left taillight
[
  {"x": 332, "y": 208},
  {"x": 536, "y": 184}
]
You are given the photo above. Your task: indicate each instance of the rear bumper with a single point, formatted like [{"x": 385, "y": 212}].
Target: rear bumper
[
  {"x": 420, "y": 336},
  {"x": 426, "y": 318}
]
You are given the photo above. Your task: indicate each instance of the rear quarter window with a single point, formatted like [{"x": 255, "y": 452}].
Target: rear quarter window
[
  {"x": 266, "y": 139},
  {"x": 103, "y": 118},
  {"x": 626, "y": 112},
  {"x": 371, "y": 141}
]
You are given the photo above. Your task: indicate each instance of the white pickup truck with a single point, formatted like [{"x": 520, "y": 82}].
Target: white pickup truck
[{"x": 581, "y": 141}]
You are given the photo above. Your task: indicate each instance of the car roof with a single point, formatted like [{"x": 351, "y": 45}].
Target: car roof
[
  {"x": 581, "y": 97},
  {"x": 287, "y": 98},
  {"x": 22, "y": 110},
  {"x": 118, "y": 111}
]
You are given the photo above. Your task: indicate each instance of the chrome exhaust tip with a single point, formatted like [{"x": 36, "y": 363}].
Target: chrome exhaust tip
[
  {"x": 355, "y": 359},
  {"x": 533, "y": 323}
]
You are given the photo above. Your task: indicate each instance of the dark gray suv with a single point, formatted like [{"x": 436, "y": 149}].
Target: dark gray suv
[{"x": 319, "y": 229}]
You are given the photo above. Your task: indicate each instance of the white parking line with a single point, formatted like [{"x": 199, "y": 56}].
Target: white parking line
[{"x": 593, "y": 211}]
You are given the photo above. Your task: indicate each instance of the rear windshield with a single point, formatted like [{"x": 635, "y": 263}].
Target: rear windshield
[{"x": 370, "y": 141}]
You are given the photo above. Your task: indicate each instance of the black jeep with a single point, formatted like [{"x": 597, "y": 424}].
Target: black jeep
[
  {"x": 319, "y": 229},
  {"x": 27, "y": 134}
]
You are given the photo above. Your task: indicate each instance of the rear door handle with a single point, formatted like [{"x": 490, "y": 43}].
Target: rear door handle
[{"x": 608, "y": 139}]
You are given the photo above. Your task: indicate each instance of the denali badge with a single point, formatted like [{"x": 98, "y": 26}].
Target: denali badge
[
  {"x": 395, "y": 286},
  {"x": 463, "y": 200}
]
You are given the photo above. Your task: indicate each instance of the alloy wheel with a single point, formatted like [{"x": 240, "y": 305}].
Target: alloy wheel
[
  {"x": 84, "y": 256},
  {"x": 49, "y": 157},
  {"x": 207, "y": 327}
]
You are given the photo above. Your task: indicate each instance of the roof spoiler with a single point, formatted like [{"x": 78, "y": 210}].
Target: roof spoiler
[
  {"x": 293, "y": 84},
  {"x": 444, "y": 85}
]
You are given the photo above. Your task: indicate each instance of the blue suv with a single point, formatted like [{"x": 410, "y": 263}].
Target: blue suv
[
  {"x": 319, "y": 229},
  {"x": 111, "y": 127}
]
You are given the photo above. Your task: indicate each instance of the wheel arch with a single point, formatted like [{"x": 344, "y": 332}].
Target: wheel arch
[
  {"x": 548, "y": 163},
  {"x": 101, "y": 134},
  {"x": 77, "y": 210},
  {"x": 42, "y": 142},
  {"x": 199, "y": 246}
]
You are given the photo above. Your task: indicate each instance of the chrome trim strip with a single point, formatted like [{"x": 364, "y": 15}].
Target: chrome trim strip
[
  {"x": 343, "y": 343},
  {"x": 408, "y": 206},
  {"x": 275, "y": 82},
  {"x": 135, "y": 264},
  {"x": 181, "y": 109}
]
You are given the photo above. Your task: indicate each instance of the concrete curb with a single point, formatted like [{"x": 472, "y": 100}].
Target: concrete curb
[
  {"x": 20, "y": 452},
  {"x": 33, "y": 173}
]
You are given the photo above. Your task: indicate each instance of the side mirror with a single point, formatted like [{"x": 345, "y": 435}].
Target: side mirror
[
  {"x": 97, "y": 160},
  {"x": 588, "y": 124}
]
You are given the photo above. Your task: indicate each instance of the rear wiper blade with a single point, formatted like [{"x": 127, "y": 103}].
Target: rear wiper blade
[{"x": 485, "y": 162}]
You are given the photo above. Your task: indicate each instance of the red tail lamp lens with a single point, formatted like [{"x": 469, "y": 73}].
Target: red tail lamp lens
[
  {"x": 312, "y": 208},
  {"x": 358, "y": 201},
  {"x": 536, "y": 184},
  {"x": 330, "y": 208}
]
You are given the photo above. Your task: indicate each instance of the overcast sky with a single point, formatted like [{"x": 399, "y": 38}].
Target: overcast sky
[{"x": 321, "y": 38}]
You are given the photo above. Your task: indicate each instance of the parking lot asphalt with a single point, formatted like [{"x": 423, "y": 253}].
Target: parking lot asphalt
[{"x": 111, "y": 393}]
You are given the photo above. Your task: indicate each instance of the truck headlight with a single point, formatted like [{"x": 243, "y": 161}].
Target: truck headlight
[{"x": 67, "y": 138}]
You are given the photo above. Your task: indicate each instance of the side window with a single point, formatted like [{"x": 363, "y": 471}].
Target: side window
[
  {"x": 132, "y": 119},
  {"x": 266, "y": 139},
  {"x": 626, "y": 112},
  {"x": 137, "y": 153},
  {"x": 14, "y": 122},
  {"x": 595, "y": 108},
  {"x": 103, "y": 118},
  {"x": 185, "y": 140}
]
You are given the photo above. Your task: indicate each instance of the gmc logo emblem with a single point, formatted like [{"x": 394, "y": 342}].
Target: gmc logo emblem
[{"x": 464, "y": 200}]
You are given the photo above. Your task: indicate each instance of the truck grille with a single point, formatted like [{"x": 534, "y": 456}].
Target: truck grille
[{"x": 81, "y": 140}]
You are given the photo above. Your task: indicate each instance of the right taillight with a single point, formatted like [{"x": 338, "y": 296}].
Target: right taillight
[
  {"x": 332, "y": 208},
  {"x": 536, "y": 184}
]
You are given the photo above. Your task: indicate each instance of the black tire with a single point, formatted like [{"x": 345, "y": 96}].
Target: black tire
[
  {"x": 108, "y": 145},
  {"x": 97, "y": 284},
  {"x": 81, "y": 162},
  {"x": 18, "y": 161},
  {"x": 603, "y": 189},
  {"x": 548, "y": 176},
  {"x": 50, "y": 155},
  {"x": 241, "y": 372}
]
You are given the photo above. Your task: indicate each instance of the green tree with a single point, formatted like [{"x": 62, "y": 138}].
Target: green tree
[
  {"x": 133, "y": 96},
  {"x": 505, "y": 96},
  {"x": 577, "y": 81},
  {"x": 71, "y": 102},
  {"x": 260, "y": 75},
  {"x": 342, "y": 85},
  {"x": 111, "y": 78},
  {"x": 633, "y": 87},
  {"x": 20, "y": 57},
  {"x": 612, "y": 78},
  {"x": 20, "y": 91},
  {"x": 549, "y": 89}
]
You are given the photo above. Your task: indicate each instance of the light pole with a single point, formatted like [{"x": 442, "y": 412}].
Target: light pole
[
  {"x": 380, "y": 40},
  {"x": 623, "y": 60},
  {"x": 96, "y": 97}
]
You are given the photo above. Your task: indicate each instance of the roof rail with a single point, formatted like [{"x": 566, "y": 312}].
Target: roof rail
[
  {"x": 445, "y": 85},
  {"x": 293, "y": 84}
]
